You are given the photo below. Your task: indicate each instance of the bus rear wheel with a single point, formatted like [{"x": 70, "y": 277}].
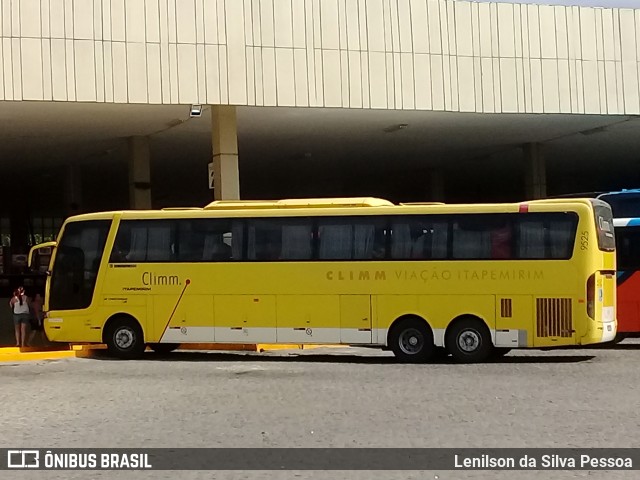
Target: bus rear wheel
[
  {"x": 124, "y": 339},
  {"x": 412, "y": 341},
  {"x": 469, "y": 341},
  {"x": 163, "y": 348}
]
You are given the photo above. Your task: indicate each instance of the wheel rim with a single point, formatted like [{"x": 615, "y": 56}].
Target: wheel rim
[
  {"x": 411, "y": 341},
  {"x": 124, "y": 338},
  {"x": 469, "y": 341}
]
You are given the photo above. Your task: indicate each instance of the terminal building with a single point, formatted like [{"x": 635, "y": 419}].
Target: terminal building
[{"x": 113, "y": 104}]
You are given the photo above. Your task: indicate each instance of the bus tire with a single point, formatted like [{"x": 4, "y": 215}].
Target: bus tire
[
  {"x": 411, "y": 341},
  {"x": 469, "y": 341},
  {"x": 124, "y": 339},
  {"x": 163, "y": 348}
]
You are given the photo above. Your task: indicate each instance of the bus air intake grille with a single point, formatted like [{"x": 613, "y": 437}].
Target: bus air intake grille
[
  {"x": 553, "y": 317},
  {"x": 505, "y": 308}
]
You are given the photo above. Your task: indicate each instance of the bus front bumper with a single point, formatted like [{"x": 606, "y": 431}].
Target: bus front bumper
[{"x": 56, "y": 331}]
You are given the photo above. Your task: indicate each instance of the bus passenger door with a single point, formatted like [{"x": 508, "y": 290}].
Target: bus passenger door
[{"x": 355, "y": 319}]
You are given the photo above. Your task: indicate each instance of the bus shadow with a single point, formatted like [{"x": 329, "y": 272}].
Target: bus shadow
[
  {"x": 213, "y": 357},
  {"x": 543, "y": 359},
  {"x": 208, "y": 356},
  {"x": 521, "y": 359},
  {"x": 614, "y": 346}
]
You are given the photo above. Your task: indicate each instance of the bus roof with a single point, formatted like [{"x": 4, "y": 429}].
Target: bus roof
[
  {"x": 337, "y": 206},
  {"x": 560, "y": 201},
  {"x": 299, "y": 203}
]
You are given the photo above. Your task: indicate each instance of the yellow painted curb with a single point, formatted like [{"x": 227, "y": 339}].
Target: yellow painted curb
[
  {"x": 250, "y": 347},
  {"x": 262, "y": 347},
  {"x": 15, "y": 355},
  {"x": 9, "y": 350},
  {"x": 89, "y": 346},
  {"x": 339, "y": 345}
]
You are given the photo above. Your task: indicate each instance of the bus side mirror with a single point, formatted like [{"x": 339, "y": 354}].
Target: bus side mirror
[{"x": 46, "y": 248}]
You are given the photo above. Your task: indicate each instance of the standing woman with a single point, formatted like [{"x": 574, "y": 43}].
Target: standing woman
[{"x": 19, "y": 304}]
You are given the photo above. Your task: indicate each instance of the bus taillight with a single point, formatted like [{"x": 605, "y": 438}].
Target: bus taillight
[{"x": 591, "y": 295}]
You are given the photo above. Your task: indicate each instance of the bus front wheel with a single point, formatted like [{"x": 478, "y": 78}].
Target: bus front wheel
[
  {"x": 125, "y": 339},
  {"x": 411, "y": 341},
  {"x": 469, "y": 341}
]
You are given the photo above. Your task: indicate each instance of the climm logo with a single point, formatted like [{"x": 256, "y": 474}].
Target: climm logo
[
  {"x": 356, "y": 275},
  {"x": 150, "y": 278}
]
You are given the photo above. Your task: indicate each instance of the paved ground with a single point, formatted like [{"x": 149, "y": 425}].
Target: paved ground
[{"x": 325, "y": 398}]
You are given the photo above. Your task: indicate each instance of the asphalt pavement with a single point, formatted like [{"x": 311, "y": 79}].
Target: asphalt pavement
[{"x": 339, "y": 397}]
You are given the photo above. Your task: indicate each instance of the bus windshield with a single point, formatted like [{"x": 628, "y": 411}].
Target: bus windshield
[{"x": 76, "y": 264}]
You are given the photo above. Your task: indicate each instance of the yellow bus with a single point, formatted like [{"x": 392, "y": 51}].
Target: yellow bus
[{"x": 421, "y": 280}]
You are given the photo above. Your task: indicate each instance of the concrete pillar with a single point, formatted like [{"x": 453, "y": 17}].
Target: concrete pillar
[
  {"x": 224, "y": 138},
  {"x": 139, "y": 173},
  {"x": 535, "y": 171},
  {"x": 73, "y": 192}
]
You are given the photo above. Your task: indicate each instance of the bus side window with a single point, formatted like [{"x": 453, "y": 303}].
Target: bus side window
[
  {"x": 160, "y": 241},
  {"x": 297, "y": 241},
  {"x": 531, "y": 239},
  {"x": 118, "y": 254},
  {"x": 265, "y": 240},
  {"x": 471, "y": 239},
  {"x": 336, "y": 242},
  {"x": 401, "y": 243},
  {"x": 546, "y": 235},
  {"x": 501, "y": 243},
  {"x": 122, "y": 244},
  {"x": 420, "y": 238},
  {"x": 561, "y": 237},
  {"x": 215, "y": 249},
  {"x": 364, "y": 241},
  {"x": 351, "y": 239}
]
